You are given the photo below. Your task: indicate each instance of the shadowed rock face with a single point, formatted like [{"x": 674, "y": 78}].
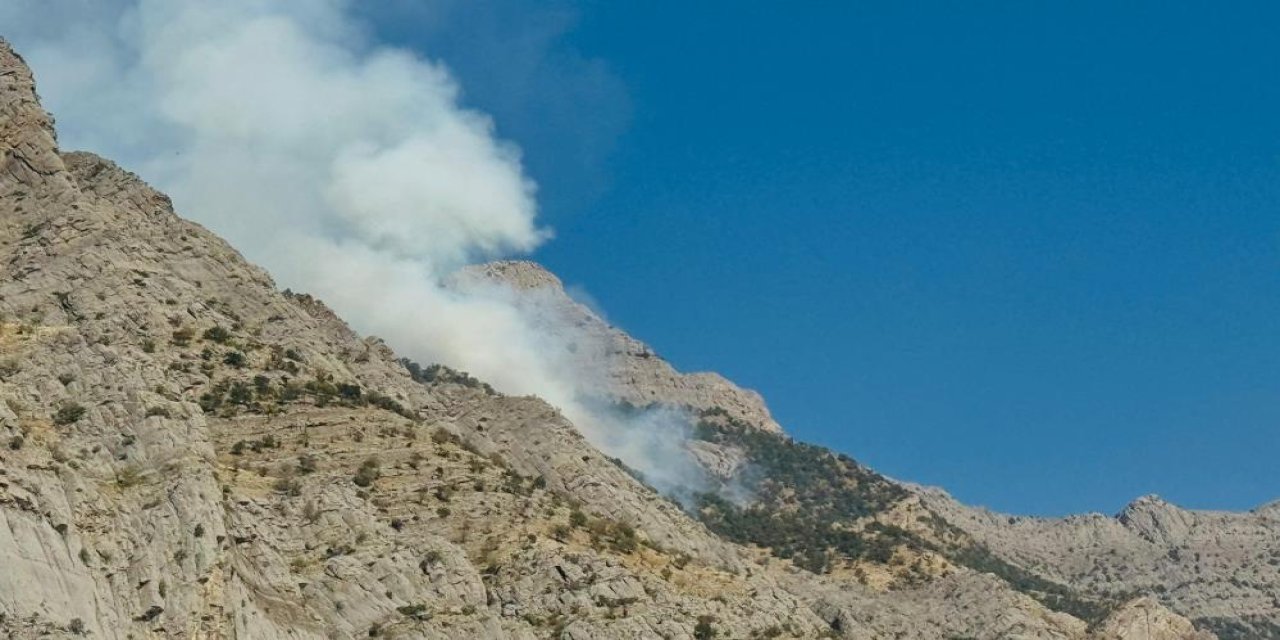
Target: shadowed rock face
[{"x": 186, "y": 451}]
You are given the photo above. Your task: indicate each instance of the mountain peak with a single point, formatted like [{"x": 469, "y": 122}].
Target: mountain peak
[
  {"x": 16, "y": 81},
  {"x": 629, "y": 370},
  {"x": 1155, "y": 519},
  {"x": 518, "y": 274},
  {"x": 1146, "y": 502},
  {"x": 27, "y": 142}
]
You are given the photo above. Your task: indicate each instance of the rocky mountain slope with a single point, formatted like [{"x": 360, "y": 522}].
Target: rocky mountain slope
[
  {"x": 189, "y": 452},
  {"x": 625, "y": 369},
  {"x": 1220, "y": 569}
]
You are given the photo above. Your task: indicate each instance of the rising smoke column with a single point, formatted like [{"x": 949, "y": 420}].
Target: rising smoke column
[{"x": 346, "y": 168}]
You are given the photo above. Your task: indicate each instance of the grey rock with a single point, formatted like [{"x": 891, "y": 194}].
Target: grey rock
[{"x": 629, "y": 370}]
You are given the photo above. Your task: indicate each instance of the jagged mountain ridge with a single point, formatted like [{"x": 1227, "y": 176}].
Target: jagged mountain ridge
[
  {"x": 190, "y": 452},
  {"x": 1221, "y": 569}
]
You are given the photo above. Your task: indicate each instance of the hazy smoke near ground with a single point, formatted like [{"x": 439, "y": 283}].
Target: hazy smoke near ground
[{"x": 348, "y": 169}]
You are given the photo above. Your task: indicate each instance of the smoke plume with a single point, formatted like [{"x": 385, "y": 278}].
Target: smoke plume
[{"x": 346, "y": 168}]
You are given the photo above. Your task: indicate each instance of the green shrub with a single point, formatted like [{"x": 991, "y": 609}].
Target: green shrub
[
  {"x": 703, "y": 630},
  {"x": 306, "y": 463},
  {"x": 182, "y": 337},
  {"x": 623, "y": 538},
  {"x": 129, "y": 476},
  {"x": 368, "y": 472},
  {"x": 440, "y": 374},
  {"x": 68, "y": 414},
  {"x": 217, "y": 334},
  {"x": 417, "y": 611},
  {"x": 240, "y": 393},
  {"x": 289, "y": 486},
  {"x": 310, "y": 512}
]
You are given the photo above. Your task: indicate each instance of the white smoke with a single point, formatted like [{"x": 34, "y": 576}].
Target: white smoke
[{"x": 346, "y": 168}]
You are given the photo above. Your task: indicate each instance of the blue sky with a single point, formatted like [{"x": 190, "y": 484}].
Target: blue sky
[{"x": 1029, "y": 253}]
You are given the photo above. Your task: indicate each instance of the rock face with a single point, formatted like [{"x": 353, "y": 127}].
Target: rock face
[
  {"x": 188, "y": 452},
  {"x": 1220, "y": 569},
  {"x": 1145, "y": 619},
  {"x": 1157, "y": 521},
  {"x": 628, "y": 370}
]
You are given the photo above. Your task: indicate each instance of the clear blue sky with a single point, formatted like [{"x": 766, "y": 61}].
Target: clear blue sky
[{"x": 1030, "y": 253}]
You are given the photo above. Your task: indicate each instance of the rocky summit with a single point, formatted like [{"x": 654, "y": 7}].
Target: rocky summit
[{"x": 187, "y": 451}]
